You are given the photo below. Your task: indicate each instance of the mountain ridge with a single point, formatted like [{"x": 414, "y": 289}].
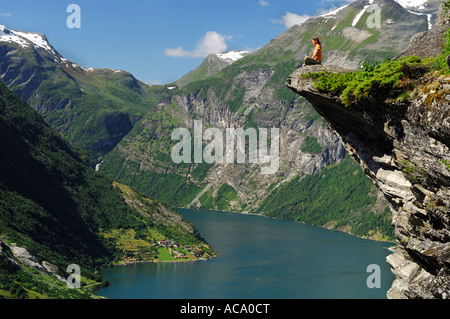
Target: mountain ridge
[
  {"x": 210, "y": 66},
  {"x": 60, "y": 89}
]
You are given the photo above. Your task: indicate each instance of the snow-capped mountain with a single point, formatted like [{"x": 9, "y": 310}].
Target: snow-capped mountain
[
  {"x": 212, "y": 65},
  {"x": 419, "y": 7},
  {"x": 25, "y": 39},
  {"x": 348, "y": 37},
  {"x": 413, "y": 4},
  {"x": 51, "y": 84},
  {"x": 38, "y": 42},
  {"x": 31, "y": 40}
]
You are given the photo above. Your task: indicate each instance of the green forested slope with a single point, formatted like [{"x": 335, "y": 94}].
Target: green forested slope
[
  {"x": 329, "y": 199},
  {"x": 61, "y": 211}
]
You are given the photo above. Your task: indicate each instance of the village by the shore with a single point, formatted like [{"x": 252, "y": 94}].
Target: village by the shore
[{"x": 168, "y": 251}]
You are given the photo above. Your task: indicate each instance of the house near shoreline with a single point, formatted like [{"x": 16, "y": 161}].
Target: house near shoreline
[{"x": 168, "y": 243}]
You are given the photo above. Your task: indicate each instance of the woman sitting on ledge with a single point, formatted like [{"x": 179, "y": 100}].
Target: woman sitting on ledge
[{"x": 317, "y": 55}]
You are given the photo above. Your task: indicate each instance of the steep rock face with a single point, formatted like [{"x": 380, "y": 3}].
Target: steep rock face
[
  {"x": 255, "y": 95},
  {"x": 404, "y": 148},
  {"x": 250, "y": 186},
  {"x": 431, "y": 42}
]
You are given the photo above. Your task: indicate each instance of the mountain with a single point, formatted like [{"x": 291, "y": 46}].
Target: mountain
[
  {"x": 68, "y": 96},
  {"x": 126, "y": 126},
  {"x": 55, "y": 211},
  {"x": 250, "y": 93},
  {"x": 212, "y": 65},
  {"x": 393, "y": 120}
]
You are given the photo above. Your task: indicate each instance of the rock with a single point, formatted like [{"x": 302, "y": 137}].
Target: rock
[
  {"x": 268, "y": 112},
  {"x": 429, "y": 43},
  {"x": 420, "y": 43},
  {"x": 403, "y": 148},
  {"x": 21, "y": 253},
  {"x": 24, "y": 256},
  {"x": 50, "y": 267},
  {"x": 410, "y": 278},
  {"x": 53, "y": 270}
]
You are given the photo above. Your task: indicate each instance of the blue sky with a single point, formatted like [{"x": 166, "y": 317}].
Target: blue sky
[{"x": 158, "y": 41}]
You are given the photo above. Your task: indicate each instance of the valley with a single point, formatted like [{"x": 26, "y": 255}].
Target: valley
[{"x": 98, "y": 182}]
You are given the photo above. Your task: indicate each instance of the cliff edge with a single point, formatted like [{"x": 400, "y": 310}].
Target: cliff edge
[{"x": 403, "y": 146}]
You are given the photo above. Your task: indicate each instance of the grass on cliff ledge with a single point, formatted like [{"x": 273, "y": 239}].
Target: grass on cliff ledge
[{"x": 394, "y": 79}]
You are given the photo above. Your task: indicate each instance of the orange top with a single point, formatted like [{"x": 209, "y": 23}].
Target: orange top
[{"x": 318, "y": 53}]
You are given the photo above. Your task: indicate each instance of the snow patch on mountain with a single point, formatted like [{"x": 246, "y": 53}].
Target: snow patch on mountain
[
  {"x": 430, "y": 25},
  {"x": 87, "y": 69},
  {"x": 416, "y": 5},
  {"x": 407, "y": 4},
  {"x": 359, "y": 15},
  {"x": 9, "y": 36},
  {"x": 333, "y": 13},
  {"x": 38, "y": 40},
  {"x": 232, "y": 56},
  {"x": 419, "y": 4},
  {"x": 25, "y": 39}
]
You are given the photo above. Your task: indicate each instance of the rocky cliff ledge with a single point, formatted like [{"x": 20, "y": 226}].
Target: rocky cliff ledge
[{"x": 404, "y": 148}]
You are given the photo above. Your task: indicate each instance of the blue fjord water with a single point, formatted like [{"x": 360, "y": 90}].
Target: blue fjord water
[{"x": 259, "y": 258}]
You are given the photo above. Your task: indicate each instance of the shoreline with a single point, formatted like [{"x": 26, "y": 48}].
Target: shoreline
[
  {"x": 107, "y": 284},
  {"x": 159, "y": 261},
  {"x": 323, "y": 227},
  {"x": 96, "y": 290}
]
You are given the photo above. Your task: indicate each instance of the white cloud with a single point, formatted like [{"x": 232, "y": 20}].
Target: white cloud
[
  {"x": 212, "y": 42},
  {"x": 263, "y": 3},
  {"x": 177, "y": 52},
  {"x": 290, "y": 19},
  {"x": 5, "y": 14}
]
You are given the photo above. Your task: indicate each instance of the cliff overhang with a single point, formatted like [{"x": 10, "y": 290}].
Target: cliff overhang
[{"x": 403, "y": 146}]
